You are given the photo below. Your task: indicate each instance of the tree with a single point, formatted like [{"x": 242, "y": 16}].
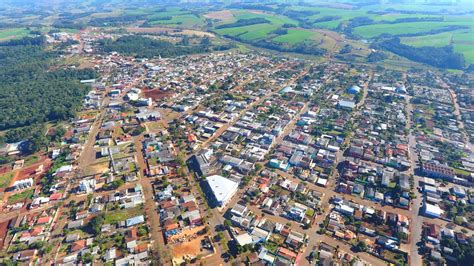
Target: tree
[
  {"x": 96, "y": 223},
  {"x": 206, "y": 41},
  {"x": 227, "y": 223},
  {"x": 142, "y": 231},
  {"x": 87, "y": 258},
  {"x": 361, "y": 246}
]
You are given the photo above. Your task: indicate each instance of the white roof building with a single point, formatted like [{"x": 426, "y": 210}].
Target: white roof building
[
  {"x": 433, "y": 210},
  {"x": 222, "y": 188}
]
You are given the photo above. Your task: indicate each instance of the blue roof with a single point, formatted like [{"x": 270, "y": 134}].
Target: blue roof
[
  {"x": 354, "y": 89},
  {"x": 135, "y": 220}
]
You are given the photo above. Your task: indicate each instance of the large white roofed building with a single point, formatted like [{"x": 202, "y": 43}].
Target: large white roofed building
[{"x": 222, "y": 188}]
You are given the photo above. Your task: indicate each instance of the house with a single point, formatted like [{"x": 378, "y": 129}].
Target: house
[
  {"x": 78, "y": 245},
  {"x": 200, "y": 163},
  {"x": 239, "y": 210},
  {"x": 194, "y": 217},
  {"x": 295, "y": 239},
  {"x": 44, "y": 220},
  {"x": 75, "y": 224}
]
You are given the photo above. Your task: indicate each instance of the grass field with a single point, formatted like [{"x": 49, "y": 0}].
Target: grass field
[
  {"x": 251, "y": 32},
  {"x": 179, "y": 17},
  {"x": 19, "y": 197},
  {"x": 371, "y": 31},
  {"x": 295, "y": 36},
  {"x": 113, "y": 217},
  {"x": 436, "y": 40},
  {"x": 5, "y": 179},
  {"x": 13, "y": 33},
  {"x": 467, "y": 51},
  {"x": 184, "y": 20},
  {"x": 256, "y": 31},
  {"x": 462, "y": 41}
]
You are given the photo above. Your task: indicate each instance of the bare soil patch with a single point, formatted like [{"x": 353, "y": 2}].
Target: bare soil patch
[
  {"x": 224, "y": 15},
  {"x": 157, "y": 94}
]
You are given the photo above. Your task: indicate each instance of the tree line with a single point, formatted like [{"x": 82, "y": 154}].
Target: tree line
[
  {"x": 441, "y": 57},
  {"x": 243, "y": 22},
  {"x": 141, "y": 46}
]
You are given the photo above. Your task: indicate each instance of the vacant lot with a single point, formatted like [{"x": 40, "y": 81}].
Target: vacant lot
[
  {"x": 21, "y": 196},
  {"x": 115, "y": 216},
  {"x": 189, "y": 249},
  {"x": 5, "y": 179}
]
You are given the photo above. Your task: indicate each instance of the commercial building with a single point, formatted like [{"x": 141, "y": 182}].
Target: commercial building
[{"x": 222, "y": 188}]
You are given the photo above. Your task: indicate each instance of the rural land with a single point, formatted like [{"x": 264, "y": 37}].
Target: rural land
[{"x": 206, "y": 132}]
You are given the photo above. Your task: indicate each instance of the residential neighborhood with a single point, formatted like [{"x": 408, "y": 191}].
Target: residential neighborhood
[{"x": 235, "y": 158}]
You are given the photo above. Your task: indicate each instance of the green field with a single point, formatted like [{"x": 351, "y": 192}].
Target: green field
[
  {"x": 436, "y": 40},
  {"x": 113, "y": 217},
  {"x": 19, "y": 197},
  {"x": 466, "y": 50},
  {"x": 251, "y": 32},
  {"x": 256, "y": 31},
  {"x": 5, "y": 179},
  {"x": 13, "y": 33},
  {"x": 462, "y": 41},
  {"x": 295, "y": 36},
  {"x": 371, "y": 31}
]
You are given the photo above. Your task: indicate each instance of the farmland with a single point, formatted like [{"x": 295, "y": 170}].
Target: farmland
[
  {"x": 461, "y": 40},
  {"x": 295, "y": 36},
  {"x": 14, "y": 33},
  {"x": 289, "y": 28}
]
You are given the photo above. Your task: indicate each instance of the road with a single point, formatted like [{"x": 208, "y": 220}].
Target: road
[
  {"x": 222, "y": 129},
  {"x": 457, "y": 113},
  {"x": 416, "y": 228},
  {"x": 153, "y": 218},
  {"x": 87, "y": 156}
]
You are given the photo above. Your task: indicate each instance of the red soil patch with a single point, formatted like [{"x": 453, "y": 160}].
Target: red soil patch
[
  {"x": 30, "y": 171},
  {"x": 157, "y": 94}
]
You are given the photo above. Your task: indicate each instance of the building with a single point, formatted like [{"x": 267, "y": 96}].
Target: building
[
  {"x": 200, "y": 163},
  {"x": 433, "y": 210},
  {"x": 222, "y": 188},
  {"x": 437, "y": 170},
  {"x": 354, "y": 89},
  {"x": 346, "y": 104},
  {"x": 135, "y": 220},
  {"x": 22, "y": 184}
]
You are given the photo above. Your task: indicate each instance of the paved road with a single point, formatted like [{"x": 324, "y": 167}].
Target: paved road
[{"x": 416, "y": 228}]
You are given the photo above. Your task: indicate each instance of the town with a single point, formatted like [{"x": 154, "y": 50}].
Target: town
[{"x": 234, "y": 157}]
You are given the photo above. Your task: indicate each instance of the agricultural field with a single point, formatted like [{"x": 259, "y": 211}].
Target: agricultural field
[
  {"x": 375, "y": 30},
  {"x": 462, "y": 41},
  {"x": 295, "y": 36},
  {"x": 251, "y": 32},
  {"x": 256, "y": 31},
  {"x": 13, "y": 33}
]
